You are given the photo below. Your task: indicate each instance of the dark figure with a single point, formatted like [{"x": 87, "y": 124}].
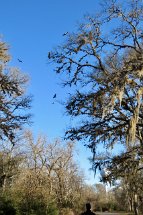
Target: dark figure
[
  {"x": 20, "y": 61},
  {"x": 88, "y": 210},
  {"x": 55, "y": 96},
  {"x": 65, "y": 33}
]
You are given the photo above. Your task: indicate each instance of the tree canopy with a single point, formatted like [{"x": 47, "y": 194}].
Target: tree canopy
[
  {"x": 13, "y": 100},
  {"x": 103, "y": 62}
]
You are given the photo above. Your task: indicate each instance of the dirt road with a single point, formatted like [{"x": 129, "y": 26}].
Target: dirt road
[{"x": 106, "y": 213}]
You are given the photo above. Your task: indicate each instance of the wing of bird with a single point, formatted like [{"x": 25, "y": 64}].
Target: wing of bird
[
  {"x": 20, "y": 61},
  {"x": 54, "y": 96},
  {"x": 49, "y": 55},
  {"x": 65, "y": 33}
]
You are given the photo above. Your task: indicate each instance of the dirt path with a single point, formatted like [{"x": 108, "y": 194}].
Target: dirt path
[{"x": 106, "y": 213}]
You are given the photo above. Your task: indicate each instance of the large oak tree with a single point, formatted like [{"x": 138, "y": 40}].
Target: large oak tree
[{"x": 103, "y": 62}]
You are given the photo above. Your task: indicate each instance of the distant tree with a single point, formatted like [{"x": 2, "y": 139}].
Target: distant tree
[
  {"x": 48, "y": 176},
  {"x": 13, "y": 101},
  {"x": 89, "y": 195},
  {"x": 9, "y": 167},
  {"x": 101, "y": 197}
]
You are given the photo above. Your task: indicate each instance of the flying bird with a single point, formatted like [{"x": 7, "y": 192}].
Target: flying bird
[
  {"x": 65, "y": 33},
  {"x": 54, "y": 96},
  {"x": 49, "y": 55},
  {"x": 20, "y": 61}
]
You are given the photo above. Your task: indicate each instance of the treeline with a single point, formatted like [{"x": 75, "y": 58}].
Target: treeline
[{"x": 39, "y": 177}]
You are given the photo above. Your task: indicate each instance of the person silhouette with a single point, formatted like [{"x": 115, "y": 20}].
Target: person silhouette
[{"x": 88, "y": 210}]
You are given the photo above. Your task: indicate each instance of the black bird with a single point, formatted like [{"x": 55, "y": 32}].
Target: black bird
[
  {"x": 65, "y": 33},
  {"x": 20, "y": 61},
  {"x": 54, "y": 96},
  {"x": 49, "y": 55}
]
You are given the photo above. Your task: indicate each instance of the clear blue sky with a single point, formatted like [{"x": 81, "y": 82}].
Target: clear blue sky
[{"x": 32, "y": 28}]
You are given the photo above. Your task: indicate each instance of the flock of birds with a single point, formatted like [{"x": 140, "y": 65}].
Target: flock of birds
[
  {"x": 49, "y": 56},
  {"x": 20, "y": 61}
]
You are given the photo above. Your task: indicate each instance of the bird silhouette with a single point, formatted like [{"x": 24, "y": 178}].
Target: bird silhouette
[
  {"x": 20, "y": 61},
  {"x": 49, "y": 55},
  {"x": 65, "y": 33},
  {"x": 54, "y": 96}
]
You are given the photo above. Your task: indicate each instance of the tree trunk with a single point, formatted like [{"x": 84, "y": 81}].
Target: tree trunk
[{"x": 136, "y": 205}]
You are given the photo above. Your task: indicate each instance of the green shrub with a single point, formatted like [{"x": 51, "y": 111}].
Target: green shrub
[
  {"x": 6, "y": 207},
  {"x": 52, "y": 209}
]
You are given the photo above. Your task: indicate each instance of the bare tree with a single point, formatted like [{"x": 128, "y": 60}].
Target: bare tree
[{"x": 52, "y": 167}]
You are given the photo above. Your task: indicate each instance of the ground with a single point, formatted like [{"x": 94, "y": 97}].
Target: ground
[{"x": 106, "y": 213}]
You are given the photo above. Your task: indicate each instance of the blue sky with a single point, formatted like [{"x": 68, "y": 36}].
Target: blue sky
[{"x": 32, "y": 28}]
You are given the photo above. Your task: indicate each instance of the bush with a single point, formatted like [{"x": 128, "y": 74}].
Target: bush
[
  {"x": 6, "y": 207},
  {"x": 52, "y": 209}
]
